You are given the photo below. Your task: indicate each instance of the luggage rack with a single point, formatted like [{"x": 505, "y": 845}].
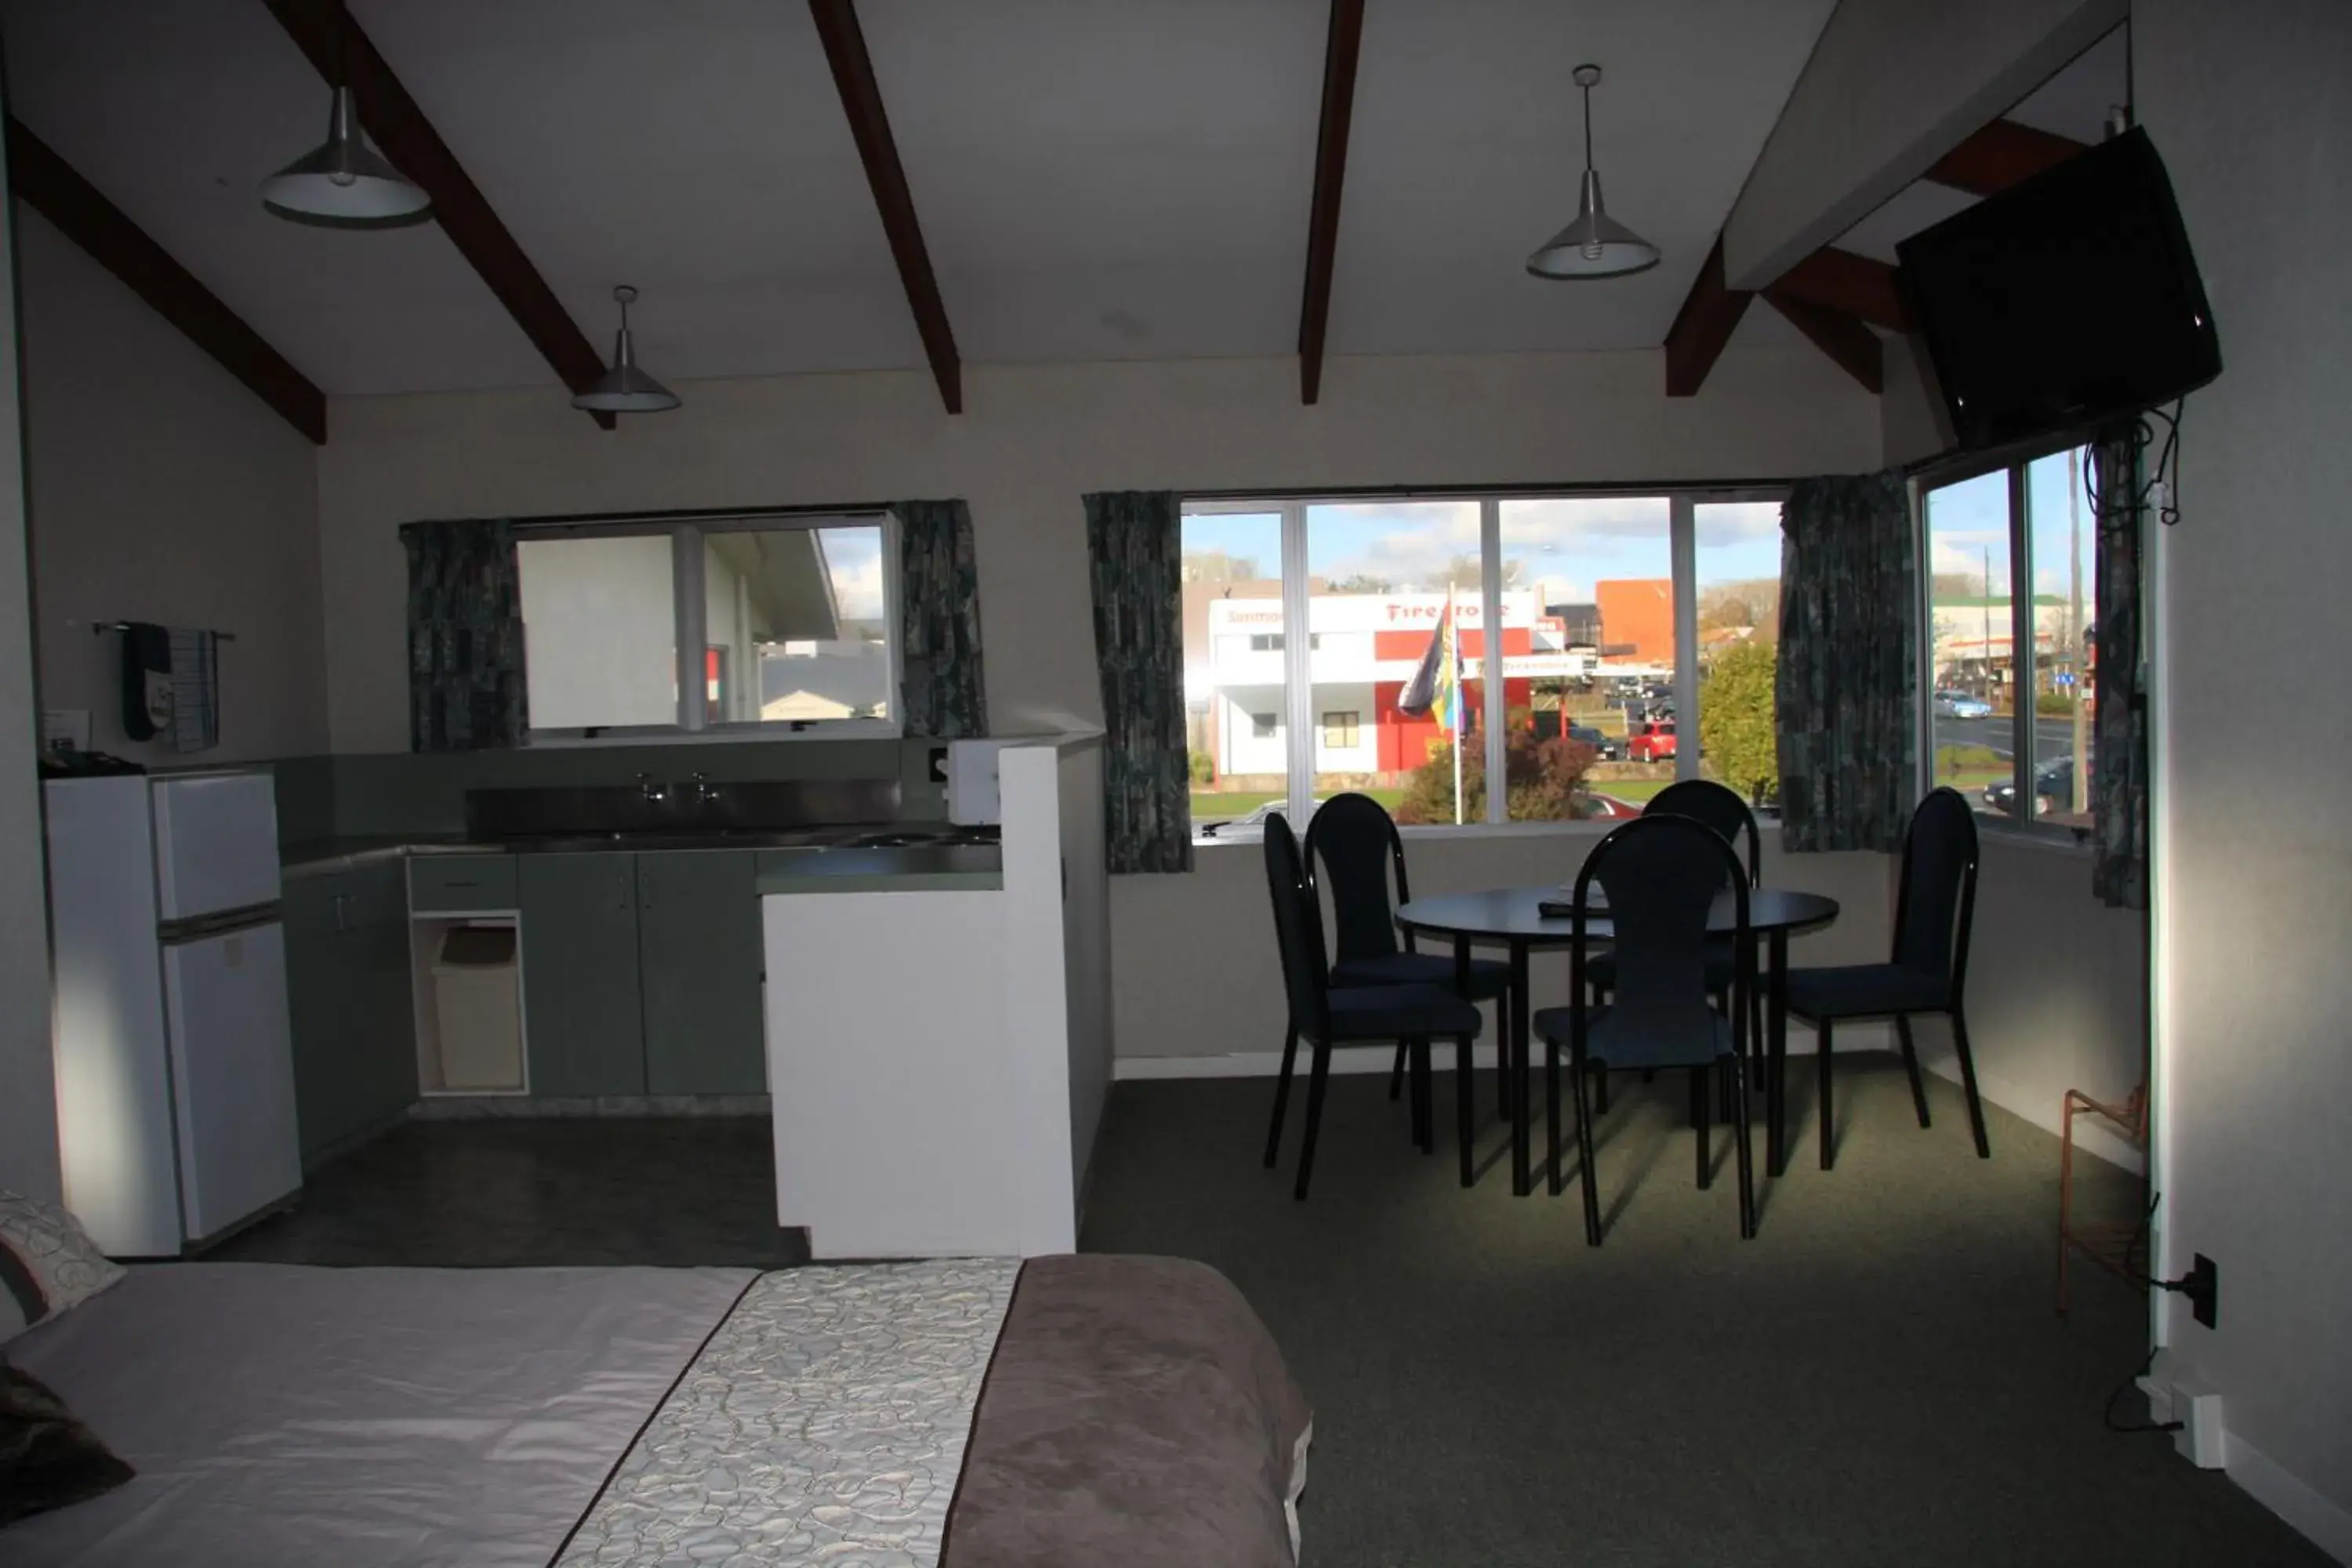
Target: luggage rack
[{"x": 2109, "y": 1246}]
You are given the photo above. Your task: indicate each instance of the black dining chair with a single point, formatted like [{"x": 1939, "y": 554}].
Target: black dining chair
[
  {"x": 1722, "y": 809},
  {"x": 1353, "y": 850},
  {"x": 1934, "y": 907},
  {"x": 1660, "y": 877},
  {"x": 1324, "y": 1015}
]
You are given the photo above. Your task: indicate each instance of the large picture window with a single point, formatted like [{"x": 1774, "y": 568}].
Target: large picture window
[
  {"x": 2011, "y": 612},
  {"x": 754, "y": 624},
  {"x": 1503, "y": 658}
]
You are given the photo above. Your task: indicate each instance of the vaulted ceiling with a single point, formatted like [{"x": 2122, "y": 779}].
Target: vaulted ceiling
[{"x": 1114, "y": 180}]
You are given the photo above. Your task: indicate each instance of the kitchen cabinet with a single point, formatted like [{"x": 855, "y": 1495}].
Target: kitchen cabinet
[
  {"x": 699, "y": 960},
  {"x": 582, "y": 1006},
  {"x": 349, "y": 1001}
]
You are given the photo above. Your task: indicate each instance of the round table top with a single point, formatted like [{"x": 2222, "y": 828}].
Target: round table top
[{"x": 1511, "y": 913}]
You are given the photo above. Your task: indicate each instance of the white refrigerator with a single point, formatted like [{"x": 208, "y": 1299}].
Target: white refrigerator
[{"x": 176, "y": 1066}]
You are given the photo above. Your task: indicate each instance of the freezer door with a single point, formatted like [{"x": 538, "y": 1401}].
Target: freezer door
[
  {"x": 215, "y": 843},
  {"x": 232, "y": 1075}
]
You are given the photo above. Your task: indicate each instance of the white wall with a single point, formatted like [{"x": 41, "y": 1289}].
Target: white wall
[
  {"x": 1913, "y": 424},
  {"x": 1035, "y": 439},
  {"x": 2057, "y": 989},
  {"x": 28, "y": 1102},
  {"x": 1892, "y": 86},
  {"x": 2247, "y": 104},
  {"x": 163, "y": 489}
]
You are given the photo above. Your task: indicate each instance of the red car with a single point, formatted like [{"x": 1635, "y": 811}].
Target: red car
[{"x": 1652, "y": 743}]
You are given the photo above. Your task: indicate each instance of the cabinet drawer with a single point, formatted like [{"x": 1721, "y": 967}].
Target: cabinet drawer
[{"x": 460, "y": 882}]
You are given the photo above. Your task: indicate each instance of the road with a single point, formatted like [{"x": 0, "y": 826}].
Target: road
[{"x": 2052, "y": 737}]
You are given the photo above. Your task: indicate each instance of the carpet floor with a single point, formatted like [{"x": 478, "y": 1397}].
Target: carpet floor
[{"x": 1879, "y": 1377}]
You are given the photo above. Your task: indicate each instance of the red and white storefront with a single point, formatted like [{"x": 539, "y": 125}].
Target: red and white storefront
[{"x": 1366, "y": 648}]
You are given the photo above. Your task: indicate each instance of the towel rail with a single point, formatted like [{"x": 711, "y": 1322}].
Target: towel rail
[{"x": 100, "y": 629}]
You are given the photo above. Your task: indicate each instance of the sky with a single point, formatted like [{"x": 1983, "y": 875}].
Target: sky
[
  {"x": 1575, "y": 541},
  {"x": 854, "y": 555},
  {"x": 1966, "y": 519}
]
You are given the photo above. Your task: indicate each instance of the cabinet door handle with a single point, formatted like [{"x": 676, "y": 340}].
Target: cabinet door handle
[{"x": 342, "y": 907}]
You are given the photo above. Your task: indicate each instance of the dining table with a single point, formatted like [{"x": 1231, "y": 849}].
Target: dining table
[{"x": 1516, "y": 920}]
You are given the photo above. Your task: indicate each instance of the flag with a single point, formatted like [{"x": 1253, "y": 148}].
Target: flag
[
  {"x": 1452, "y": 675},
  {"x": 1434, "y": 680}
]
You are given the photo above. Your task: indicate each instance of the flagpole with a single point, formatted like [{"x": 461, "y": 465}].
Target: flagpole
[{"x": 1453, "y": 696}]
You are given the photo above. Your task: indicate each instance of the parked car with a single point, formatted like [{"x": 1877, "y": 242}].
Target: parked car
[
  {"x": 1652, "y": 743},
  {"x": 1250, "y": 824},
  {"x": 1607, "y": 748},
  {"x": 2053, "y": 790},
  {"x": 1605, "y": 808},
  {"x": 1960, "y": 705}
]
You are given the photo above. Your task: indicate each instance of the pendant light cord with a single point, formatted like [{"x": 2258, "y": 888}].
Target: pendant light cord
[{"x": 1588, "y": 127}]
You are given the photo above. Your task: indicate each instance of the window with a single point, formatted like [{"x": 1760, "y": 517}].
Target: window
[
  {"x": 794, "y": 618},
  {"x": 2010, "y": 611},
  {"x": 1736, "y": 553},
  {"x": 1542, "y": 642}
]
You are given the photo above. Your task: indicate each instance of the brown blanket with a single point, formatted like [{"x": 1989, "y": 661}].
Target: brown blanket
[{"x": 1136, "y": 1413}]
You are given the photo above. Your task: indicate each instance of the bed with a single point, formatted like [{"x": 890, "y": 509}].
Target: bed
[{"x": 968, "y": 1414}]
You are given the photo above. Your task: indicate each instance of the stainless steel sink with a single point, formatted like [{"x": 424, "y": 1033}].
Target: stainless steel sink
[{"x": 623, "y": 842}]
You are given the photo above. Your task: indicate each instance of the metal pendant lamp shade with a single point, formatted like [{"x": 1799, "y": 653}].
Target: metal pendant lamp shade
[
  {"x": 624, "y": 389},
  {"x": 344, "y": 182},
  {"x": 1595, "y": 245}
]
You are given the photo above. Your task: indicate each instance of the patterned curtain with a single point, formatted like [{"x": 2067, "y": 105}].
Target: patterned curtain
[
  {"x": 2119, "y": 760},
  {"x": 939, "y": 621},
  {"x": 465, "y": 637},
  {"x": 1135, "y": 544},
  {"x": 1849, "y": 613}
]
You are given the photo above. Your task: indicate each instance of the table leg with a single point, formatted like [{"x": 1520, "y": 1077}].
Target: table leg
[
  {"x": 1776, "y": 1072},
  {"x": 1522, "y": 1181}
]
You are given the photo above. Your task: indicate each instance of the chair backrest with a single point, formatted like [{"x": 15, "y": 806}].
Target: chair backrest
[
  {"x": 1353, "y": 847},
  {"x": 1297, "y": 929},
  {"x": 1704, "y": 800},
  {"x": 1937, "y": 900},
  {"x": 1660, "y": 875}
]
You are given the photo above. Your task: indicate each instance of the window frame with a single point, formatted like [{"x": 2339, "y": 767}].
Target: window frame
[
  {"x": 1301, "y": 732},
  {"x": 689, "y": 626},
  {"x": 2014, "y": 460}
]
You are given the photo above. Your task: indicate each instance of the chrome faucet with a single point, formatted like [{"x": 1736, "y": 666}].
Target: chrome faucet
[
  {"x": 705, "y": 792},
  {"x": 654, "y": 793}
]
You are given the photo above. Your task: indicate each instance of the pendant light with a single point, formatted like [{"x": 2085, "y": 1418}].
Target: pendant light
[
  {"x": 1595, "y": 245},
  {"x": 345, "y": 183},
  {"x": 624, "y": 389}
]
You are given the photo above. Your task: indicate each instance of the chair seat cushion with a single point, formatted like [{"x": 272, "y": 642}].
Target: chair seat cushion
[
  {"x": 1863, "y": 990},
  {"x": 1488, "y": 976},
  {"x": 1615, "y": 1038},
  {"x": 1391, "y": 1012},
  {"x": 1722, "y": 966}
]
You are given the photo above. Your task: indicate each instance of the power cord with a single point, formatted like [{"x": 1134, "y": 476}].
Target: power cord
[
  {"x": 2164, "y": 480},
  {"x": 2131, "y": 1246}
]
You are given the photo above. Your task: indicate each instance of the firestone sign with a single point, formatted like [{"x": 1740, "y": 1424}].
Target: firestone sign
[{"x": 1371, "y": 613}]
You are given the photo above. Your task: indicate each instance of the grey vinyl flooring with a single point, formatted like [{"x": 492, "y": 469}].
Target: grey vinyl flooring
[
  {"x": 497, "y": 1193},
  {"x": 1879, "y": 1378}
]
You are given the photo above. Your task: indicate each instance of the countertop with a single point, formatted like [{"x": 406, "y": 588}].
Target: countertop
[
  {"x": 912, "y": 869},
  {"x": 807, "y": 869}
]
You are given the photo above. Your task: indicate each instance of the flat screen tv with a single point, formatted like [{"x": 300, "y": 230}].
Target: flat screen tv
[{"x": 2065, "y": 302}]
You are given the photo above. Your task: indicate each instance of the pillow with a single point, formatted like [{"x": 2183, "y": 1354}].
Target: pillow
[
  {"x": 47, "y": 1263},
  {"x": 48, "y": 1458}
]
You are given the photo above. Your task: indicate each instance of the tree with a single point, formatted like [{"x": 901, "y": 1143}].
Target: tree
[
  {"x": 1545, "y": 779},
  {"x": 1362, "y": 582},
  {"x": 1753, "y": 603},
  {"x": 1735, "y": 724},
  {"x": 1218, "y": 566},
  {"x": 1470, "y": 573},
  {"x": 1957, "y": 585}
]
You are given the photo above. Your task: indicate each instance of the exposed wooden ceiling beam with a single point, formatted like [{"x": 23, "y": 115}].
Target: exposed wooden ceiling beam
[
  {"x": 861, "y": 99},
  {"x": 1703, "y": 326},
  {"x": 1845, "y": 340},
  {"x": 1855, "y": 285},
  {"x": 340, "y": 51},
  {"x": 51, "y": 186},
  {"x": 2000, "y": 156},
  {"x": 1341, "y": 50}
]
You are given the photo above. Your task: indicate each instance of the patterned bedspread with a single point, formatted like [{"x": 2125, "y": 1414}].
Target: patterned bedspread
[{"x": 824, "y": 1422}]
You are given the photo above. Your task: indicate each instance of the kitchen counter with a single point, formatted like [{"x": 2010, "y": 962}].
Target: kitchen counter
[
  {"x": 905, "y": 869},
  {"x": 324, "y": 857}
]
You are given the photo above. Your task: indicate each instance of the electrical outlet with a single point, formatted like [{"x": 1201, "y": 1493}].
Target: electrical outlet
[{"x": 2203, "y": 1289}]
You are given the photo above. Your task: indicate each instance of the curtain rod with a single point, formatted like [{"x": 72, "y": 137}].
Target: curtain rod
[
  {"x": 1469, "y": 492},
  {"x": 694, "y": 515}
]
